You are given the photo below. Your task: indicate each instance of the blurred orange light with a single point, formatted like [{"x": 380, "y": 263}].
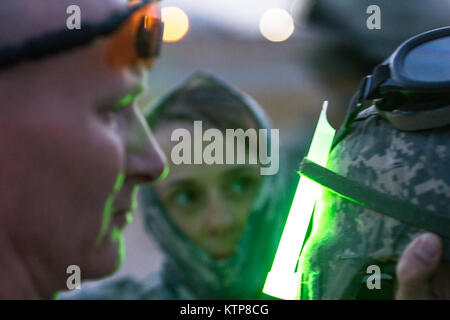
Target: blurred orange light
[{"x": 176, "y": 24}]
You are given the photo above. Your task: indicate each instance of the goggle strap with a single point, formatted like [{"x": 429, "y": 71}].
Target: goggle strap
[
  {"x": 380, "y": 74},
  {"x": 366, "y": 88},
  {"x": 417, "y": 121},
  {"x": 353, "y": 110},
  {"x": 372, "y": 199},
  {"x": 66, "y": 39}
]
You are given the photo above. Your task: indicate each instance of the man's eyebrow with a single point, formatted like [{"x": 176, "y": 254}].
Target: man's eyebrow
[{"x": 127, "y": 98}]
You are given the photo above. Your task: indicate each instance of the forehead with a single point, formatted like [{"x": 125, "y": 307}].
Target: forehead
[
  {"x": 163, "y": 132},
  {"x": 199, "y": 172}
]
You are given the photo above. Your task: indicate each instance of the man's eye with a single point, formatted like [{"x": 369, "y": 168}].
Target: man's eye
[{"x": 110, "y": 116}]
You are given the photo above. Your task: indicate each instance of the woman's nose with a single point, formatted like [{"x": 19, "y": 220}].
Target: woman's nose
[{"x": 220, "y": 218}]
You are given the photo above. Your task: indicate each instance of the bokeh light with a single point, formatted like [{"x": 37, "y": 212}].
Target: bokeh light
[
  {"x": 276, "y": 25},
  {"x": 176, "y": 24}
]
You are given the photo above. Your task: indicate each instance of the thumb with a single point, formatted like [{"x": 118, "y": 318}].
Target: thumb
[{"x": 417, "y": 265}]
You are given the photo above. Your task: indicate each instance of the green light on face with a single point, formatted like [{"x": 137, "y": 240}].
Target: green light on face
[
  {"x": 108, "y": 209},
  {"x": 163, "y": 175},
  {"x": 283, "y": 281},
  {"x": 128, "y": 99},
  {"x": 117, "y": 236},
  {"x": 129, "y": 218}
]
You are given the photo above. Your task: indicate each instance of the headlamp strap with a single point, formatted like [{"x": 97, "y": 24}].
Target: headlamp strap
[
  {"x": 372, "y": 199},
  {"x": 380, "y": 74}
]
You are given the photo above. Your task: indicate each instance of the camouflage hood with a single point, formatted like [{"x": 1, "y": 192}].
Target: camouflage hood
[{"x": 190, "y": 273}]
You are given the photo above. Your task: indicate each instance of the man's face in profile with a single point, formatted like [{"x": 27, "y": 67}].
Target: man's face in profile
[{"x": 64, "y": 148}]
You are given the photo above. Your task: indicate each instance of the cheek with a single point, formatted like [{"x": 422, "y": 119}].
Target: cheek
[
  {"x": 191, "y": 225},
  {"x": 240, "y": 210},
  {"x": 188, "y": 223},
  {"x": 194, "y": 228},
  {"x": 71, "y": 169},
  {"x": 101, "y": 160}
]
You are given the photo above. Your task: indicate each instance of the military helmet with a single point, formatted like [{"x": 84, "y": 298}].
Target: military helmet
[{"x": 388, "y": 175}]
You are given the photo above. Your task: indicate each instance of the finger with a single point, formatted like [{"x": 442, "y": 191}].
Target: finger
[{"x": 416, "y": 266}]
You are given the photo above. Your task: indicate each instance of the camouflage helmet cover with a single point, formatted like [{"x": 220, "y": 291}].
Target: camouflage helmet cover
[{"x": 346, "y": 237}]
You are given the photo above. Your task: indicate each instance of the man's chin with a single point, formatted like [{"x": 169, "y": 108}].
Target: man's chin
[{"x": 107, "y": 258}]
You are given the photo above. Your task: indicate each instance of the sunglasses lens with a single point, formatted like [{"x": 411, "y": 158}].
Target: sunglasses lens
[
  {"x": 148, "y": 39},
  {"x": 138, "y": 40},
  {"x": 429, "y": 62}
]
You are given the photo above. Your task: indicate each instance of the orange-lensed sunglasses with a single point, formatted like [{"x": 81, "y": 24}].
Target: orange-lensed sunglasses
[{"x": 135, "y": 38}]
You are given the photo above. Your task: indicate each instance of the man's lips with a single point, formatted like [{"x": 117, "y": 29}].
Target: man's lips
[
  {"x": 122, "y": 217},
  {"x": 124, "y": 205}
]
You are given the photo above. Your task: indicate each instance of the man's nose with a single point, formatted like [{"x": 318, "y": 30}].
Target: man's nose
[{"x": 145, "y": 160}]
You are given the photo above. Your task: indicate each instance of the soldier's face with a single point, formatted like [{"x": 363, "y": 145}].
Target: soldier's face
[{"x": 63, "y": 149}]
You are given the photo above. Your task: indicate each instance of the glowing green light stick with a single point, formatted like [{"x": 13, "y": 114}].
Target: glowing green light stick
[{"x": 282, "y": 281}]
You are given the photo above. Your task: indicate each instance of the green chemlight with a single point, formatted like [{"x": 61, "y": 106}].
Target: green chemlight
[{"x": 283, "y": 281}]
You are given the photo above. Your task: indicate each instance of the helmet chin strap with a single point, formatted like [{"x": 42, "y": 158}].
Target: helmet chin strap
[{"x": 372, "y": 199}]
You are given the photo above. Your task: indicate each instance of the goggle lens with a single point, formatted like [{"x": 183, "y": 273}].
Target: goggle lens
[
  {"x": 138, "y": 40},
  {"x": 429, "y": 62}
]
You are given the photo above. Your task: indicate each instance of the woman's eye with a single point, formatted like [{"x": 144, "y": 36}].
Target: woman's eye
[
  {"x": 242, "y": 186},
  {"x": 185, "y": 198},
  {"x": 239, "y": 186}
]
